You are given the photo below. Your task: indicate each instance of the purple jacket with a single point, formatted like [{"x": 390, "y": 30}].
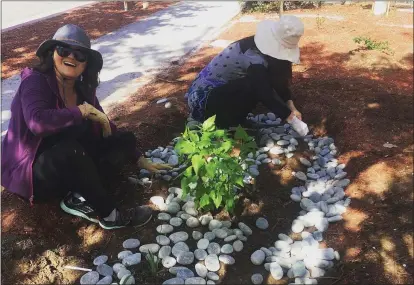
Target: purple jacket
[{"x": 34, "y": 115}]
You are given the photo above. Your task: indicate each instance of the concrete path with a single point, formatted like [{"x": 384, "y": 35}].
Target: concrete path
[
  {"x": 144, "y": 47},
  {"x": 17, "y": 13}
]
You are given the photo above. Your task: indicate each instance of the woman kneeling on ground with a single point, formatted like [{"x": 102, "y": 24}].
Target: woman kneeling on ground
[
  {"x": 59, "y": 142},
  {"x": 252, "y": 70}
]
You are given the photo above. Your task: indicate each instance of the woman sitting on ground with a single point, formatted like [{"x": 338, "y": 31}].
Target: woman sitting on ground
[
  {"x": 59, "y": 142},
  {"x": 252, "y": 70}
]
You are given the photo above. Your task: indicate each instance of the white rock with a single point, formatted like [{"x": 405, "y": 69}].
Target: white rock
[
  {"x": 214, "y": 224},
  {"x": 162, "y": 240},
  {"x": 179, "y": 247},
  {"x": 335, "y": 219},
  {"x": 200, "y": 254},
  {"x": 195, "y": 280},
  {"x": 227, "y": 259},
  {"x": 185, "y": 257},
  {"x": 124, "y": 254},
  {"x": 164, "y": 217},
  {"x": 196, "y": 235},
  {"x": 174, "y": 281},
  {"x": 227, "y": 249},
  {"x": 238, "y": 246},
  {"x": 117, "y": 267},
  {"x": 213, "y": 276},
  {"x": 192, "y": 222},
  {"x": 214, "y": 248},
  {"x": 168, "y": 261},
  {"x": 158, "y": 201},
  {"x": 201, "y": 270},
  {"x": 165, "y": 229},
  {"x": 297, "y": 226},
  {"x": 203, "y": 243},
  {"x": 178, "y": 237},
  {"x": 164, "y": 251},
  {"x": 257, "y": 257},
  {"x": 152, "y": 247},
  {"x": 276, "y": 271},
  {"x": 104, "y": 270},
  {"x": 299, "y": 269},
  {"x": 322, "y": 225},
  {"x": 210, "y": 236},
  {"x": 266, "y": 251},
  {"x": 282, "y": 246},
  {"x": 285, "y": 238},
  {"x": 91, "y": 277},
  {"x": 122, "y": 273},
  {"x": 205, "y": 219},
  {"x": 317, "y": 272},
  {"x": 100, "y": 260},
  {"x": 132, "y": 259},
  {"x": 220, "y": 233},
  {"x": 212, "y": 262},
  {"x": 176, "y": 222}
]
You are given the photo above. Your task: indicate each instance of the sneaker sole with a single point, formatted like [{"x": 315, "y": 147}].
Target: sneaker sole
[
  {"x": 76, "y": 213},
  {"x": 120, "y": 227}
]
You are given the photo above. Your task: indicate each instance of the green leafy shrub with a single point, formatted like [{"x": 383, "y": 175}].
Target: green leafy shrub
[
  {"x": 214, "y": 164},
  {"x": 274, "y": 6},
  {"x": 370, "y": 44}
]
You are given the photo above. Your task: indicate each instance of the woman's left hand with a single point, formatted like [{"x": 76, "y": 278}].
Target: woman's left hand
[
  {"x": 152, "y": 167},
  {"x": 297, "y": 114}
]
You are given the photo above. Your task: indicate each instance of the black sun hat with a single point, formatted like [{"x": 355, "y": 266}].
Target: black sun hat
[{"x": 74, "y": 36}]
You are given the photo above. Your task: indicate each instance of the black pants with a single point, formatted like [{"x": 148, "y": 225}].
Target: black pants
[
  {"x": 233, "y": 101},
  {"x": 85, "y": 168}
]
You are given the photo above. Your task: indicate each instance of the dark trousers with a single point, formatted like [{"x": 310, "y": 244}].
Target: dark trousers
[
  {"x": 233, "y": 101},
  {"x": 83, "y": 167}
]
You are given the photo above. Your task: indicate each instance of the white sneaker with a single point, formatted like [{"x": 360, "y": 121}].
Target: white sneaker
[{"x": 299, "y": 126}]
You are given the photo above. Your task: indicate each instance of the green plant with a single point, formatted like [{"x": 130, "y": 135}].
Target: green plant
[
  {"x": 372, "y": 44},
  {"x": 153, "y": 262},
  {"x": 214, "y": 159}
]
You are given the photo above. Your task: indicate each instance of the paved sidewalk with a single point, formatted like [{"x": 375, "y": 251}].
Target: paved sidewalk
[{"x": 144, "y": 47}]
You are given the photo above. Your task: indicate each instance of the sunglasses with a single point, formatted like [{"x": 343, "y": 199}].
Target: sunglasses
[{"x": 66, "y": 51}]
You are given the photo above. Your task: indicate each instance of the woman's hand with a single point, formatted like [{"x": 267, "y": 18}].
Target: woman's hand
[
  {"x": 152, "y": 167},
  {"x": 295, "y": 111},
  {"x": 90, "y": 112},
  {"x": 297, "y": 114}
]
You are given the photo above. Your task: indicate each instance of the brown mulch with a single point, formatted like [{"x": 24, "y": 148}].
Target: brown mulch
[
  {"x": 18, "y": 46},
  {"x": 360, "y": 98}
]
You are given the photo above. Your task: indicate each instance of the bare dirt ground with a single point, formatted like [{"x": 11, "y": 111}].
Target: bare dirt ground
[{"x": 361, "y": 98}]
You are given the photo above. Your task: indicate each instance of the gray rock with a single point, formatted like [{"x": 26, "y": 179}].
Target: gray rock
[
  {"x": 220, "y": 233},
  {"x": 200, "y": 254},
  {"x": 162, "y": 240},
  {"x": 210, "y": 236},
  {"x": 245, "y": 229},
  {"x": 164, "y": 217},
  {"x": 254, "y": 172},
  {"x": 91, "y": 277},
  {"x": 124, "y": 254},
  {"x": 214, "y": 248},
  {"x": 196, "y": 235},
  {"x": 305, "y": 162},
  {"x": 201, "y": 270},
  {"x": 195, "y": 280},
  {"x": 301, "y": 176},
  {"x": 176, "y": 222},
  {"x": 242, "y": 238},
  {"x": 117, "y": 267},
  {"x": 266, "y": 251},
  {"x": 173, "y": 160},
  {"x": 276, "y": 150},
  {"x": 203, "y": 243},
  {"x": 104, "y": 270},
  {"x": 315, "y": 197},
  {"x": 317, "y": 235},
  {"x": 214, "y": 224},
  {"x": 107, "y": 280},
  {"x": 276, "y": 271},
  {"x": 174, "y": 281},
  {"x": 297, "y": 226},
  {"x": 257, "y": 257},
  {"x": 167, "y": 177},
  {"x": 122, "y": 273},
  {"x": 283, "y": 142},
  {"x": 227, "y": 259},
  {"x": 205, "y": 219},
  {"x": 179, "y": 247},
  {"x": 152, "y": 247},
  {"x": 192, "y": 222},
  {"x": 238, "y": 246},
  {"x": 185, "y": 257},
  {"x": 230, "y": 238},
  {"x": 322, "y": 225},
  {"x": 213, "y": 276},
  {"x": 165, "y": 229},
  {"x": 101, "y": 259},
  {"x": 164, "y": 251},
  {"x": 295, "y": 197},
  {"x": 262, "y": 223},
  {"x": 178, "y": 237},
  {"x": 132, "y": 259},
  {"x": 227, "y": 249},
  {"x": 257, "y": 278},
  {"x": 212, "y": 262},
  {"x": 173, "y": 208},
  {"x": 191, "y": 211},
  {"x": 184, "y": 273},
  {"x": 168, "y": 261},
  {"x": 127, "y": 280},
  {"x": 299, "y": 269}
]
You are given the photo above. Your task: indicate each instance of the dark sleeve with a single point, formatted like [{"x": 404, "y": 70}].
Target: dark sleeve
[
  {"x": 39, "y": 110},
  {"x": 260, "y": 79},
  {"x": 280, "y": 72}
]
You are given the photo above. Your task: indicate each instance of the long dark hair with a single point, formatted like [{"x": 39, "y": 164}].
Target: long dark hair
[{"x": 86, "y": 84}]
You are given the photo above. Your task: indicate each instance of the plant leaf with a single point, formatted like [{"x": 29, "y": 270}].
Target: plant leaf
[
  {"x": 185, "y": 147},
  {"x": 208, "y": 124},
  {"x": 204, "y": 201},
  {"x": 197, "y": 161},
  {"x": 240, "y": 134}
]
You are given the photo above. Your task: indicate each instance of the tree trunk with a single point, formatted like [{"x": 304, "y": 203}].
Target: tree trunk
[
  {"x": 281, "y": 8},
  {"x": 125, "y": 5}
]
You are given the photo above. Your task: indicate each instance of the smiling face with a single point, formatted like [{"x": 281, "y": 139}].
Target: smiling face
[{"x": 67, "y": 65}]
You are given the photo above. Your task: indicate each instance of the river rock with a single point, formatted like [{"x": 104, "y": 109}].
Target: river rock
[
  {"x": 203, "y": 243},
  {"x": 164, "y": 251},
  {"x": 301, "y": 176},
  {"x": 276, "y": 271},
  {"x": 91, "y": 277},
  {"x": 213, "y": 276},
  {"x": 122, "y": 273},
  {"x": 238, "y": 246},
  {"x": 297, "y": 226},
  {"x": 227, "y": 259},
  {"x": 185, "y": 257},
  {"x": 117, "y": 267},
  {"x": 184, "y": 273},
  {"x": 195, "y": 280},
  {"x": 299, "y": 269},
  {"x": 174, "y": 281},
  {"x": 173, "y": 160},
  {"x": 205, "y": 219},
  {"x": 179, "y": 247},
  {"x": 105, "y": 270},
  {"x": 132, "y": 259},
  {"x": 164, "y": 229},
  {"x": 200, "y": 254},
  {"x": 262, "y": 223},
  {"x": 227, "y": 249},
  {"x": 209, "y": 236},
  {"x": 257, "y": 278},
  {"x": 214, "y": 224},
  {"x": 173, "y": 208},
  {"x": 162, "y": 240},
  {"x": 245, "y": 229},
  {"x": 220, "y": 233},
  {"x": 100, "y": 260},
  {"x": 212, "y": 262},
  {"x": 214, "y": 248},
  {"x": 257, "y": 257},
  {"x": 164, "y": 217},
  {"x": 201, "y": 270},
  {"x": 285, "y": 238},
  {"x": 176, "y": 222},
  {"x": 178, "y": 236},
  {"x": 107, "y": 280},
  {"x": 168, "y": 261},
  {"x": 124, "y": 254},
  {"x": 152, "y": 247}
]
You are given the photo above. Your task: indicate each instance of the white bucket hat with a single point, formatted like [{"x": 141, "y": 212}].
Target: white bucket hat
[{"x": 279, "y": 39}]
